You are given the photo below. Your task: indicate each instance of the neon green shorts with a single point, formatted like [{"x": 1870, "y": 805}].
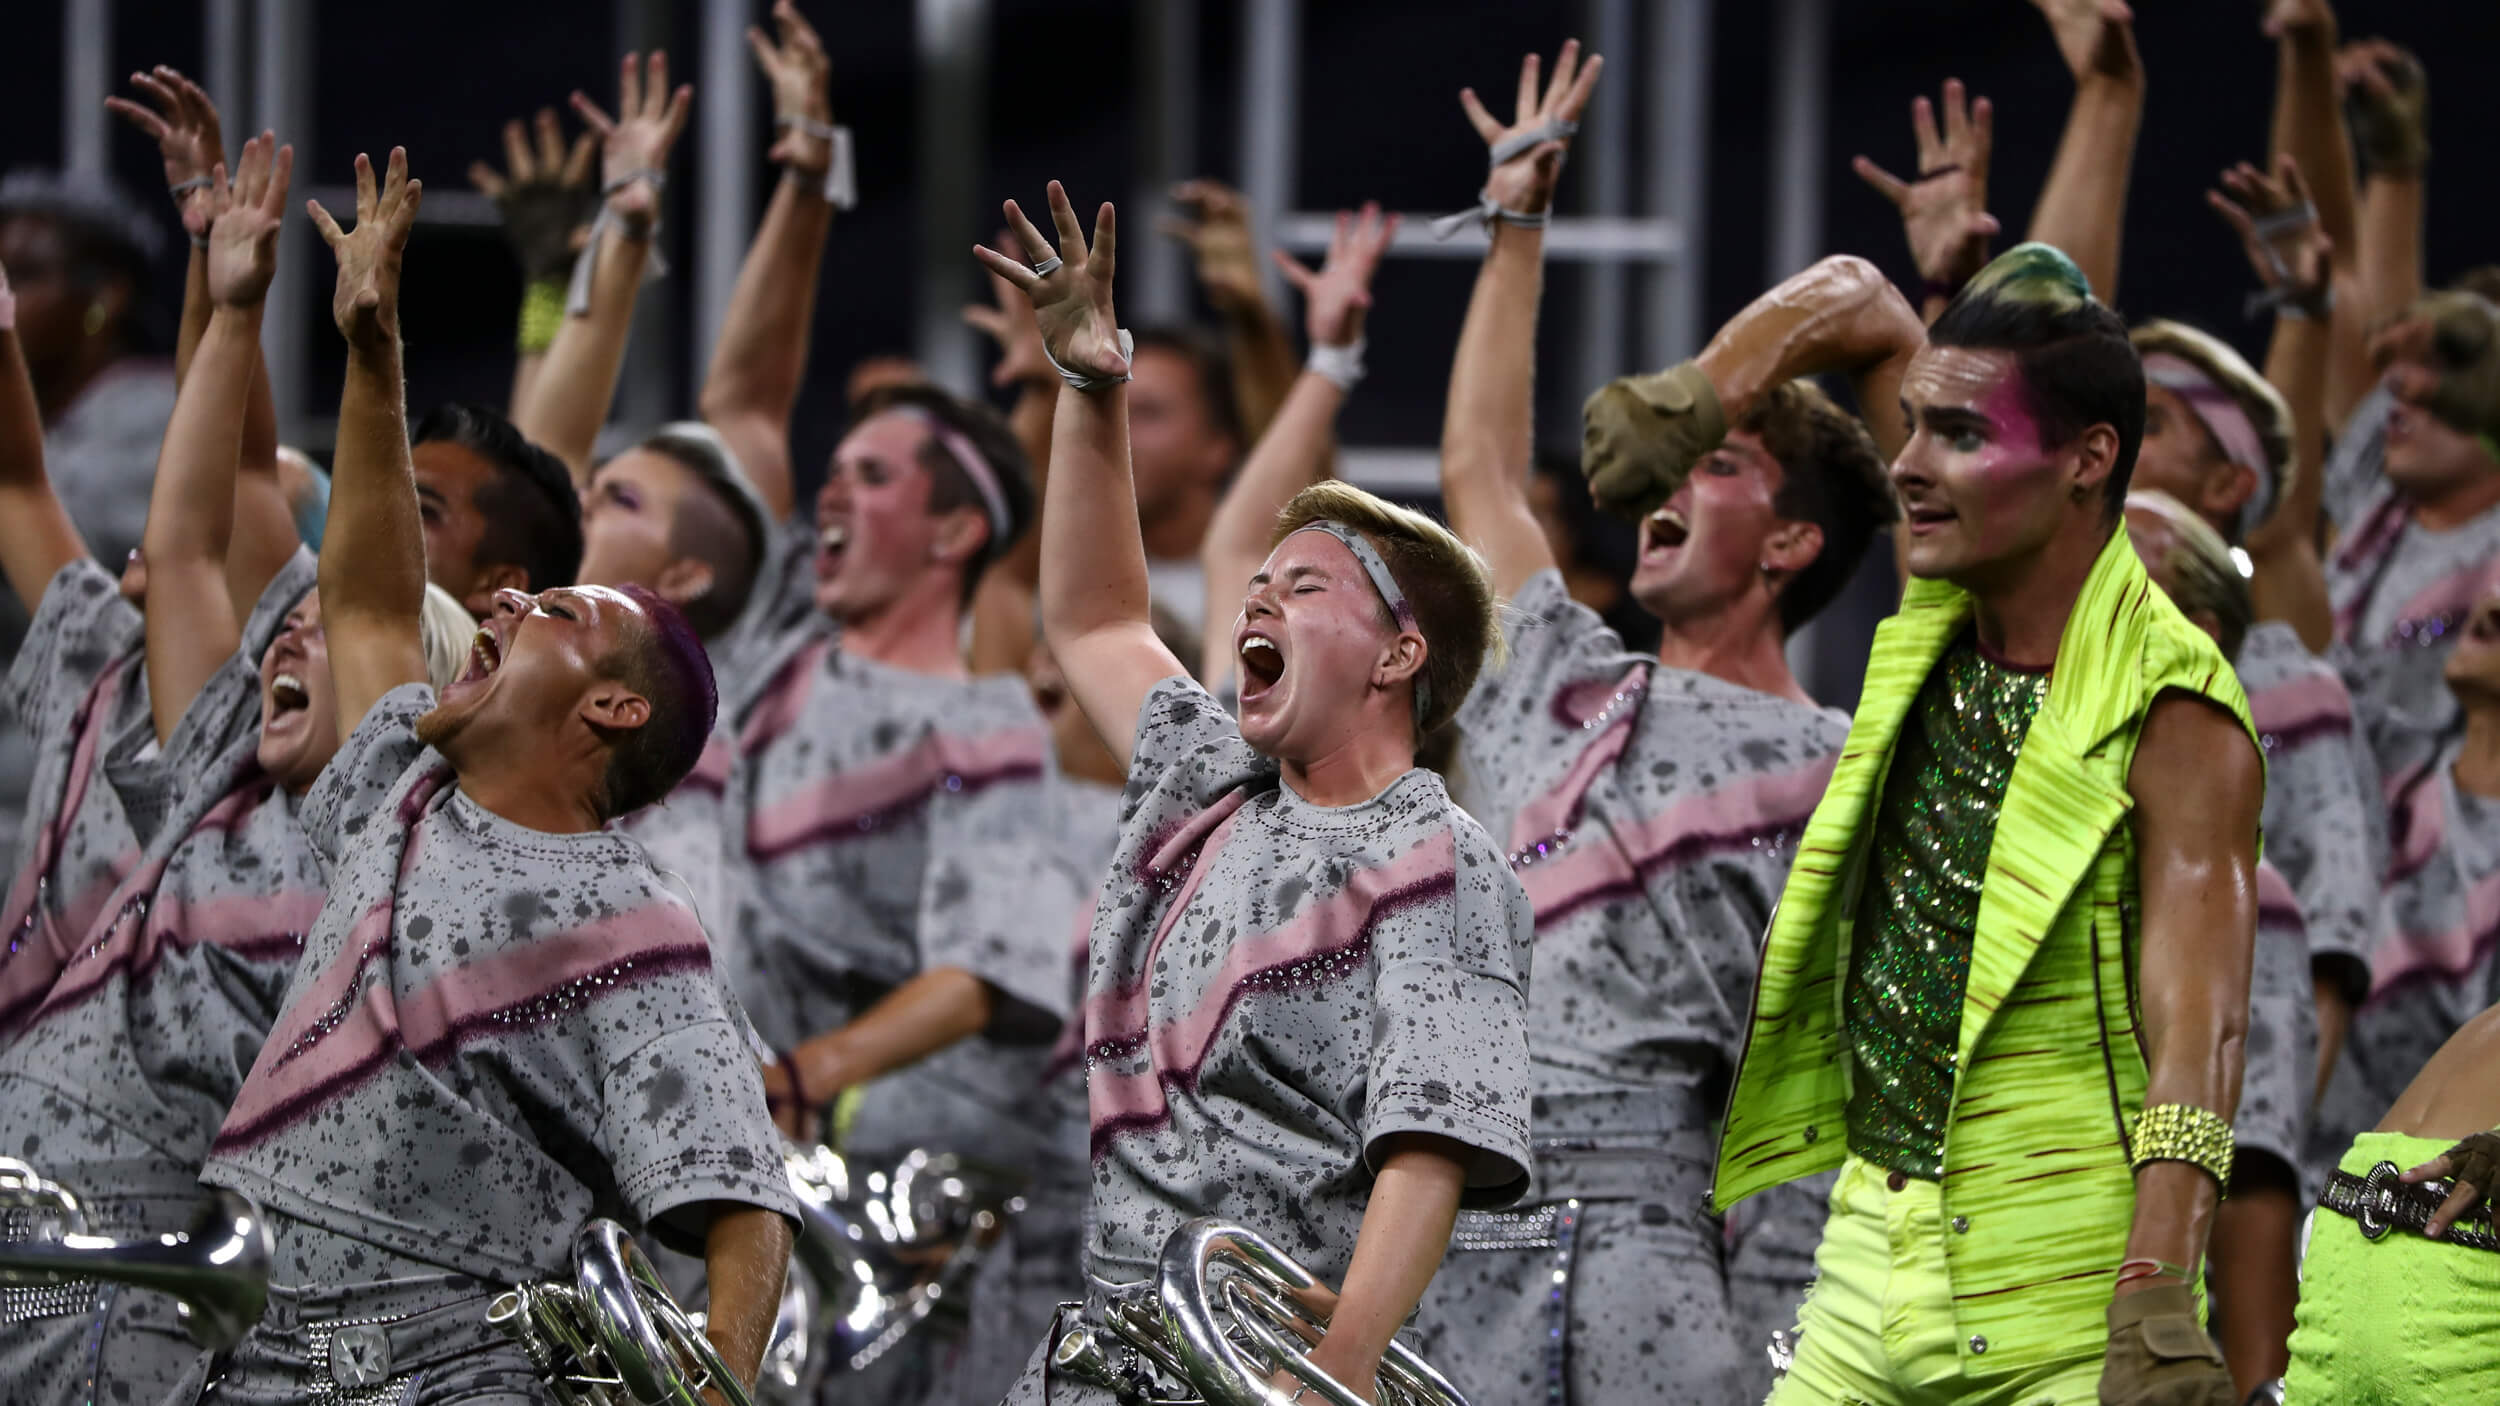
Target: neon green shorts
[
  {"x": 1877, "y": 1328},
  {"x": 2396, "y": 1321}
]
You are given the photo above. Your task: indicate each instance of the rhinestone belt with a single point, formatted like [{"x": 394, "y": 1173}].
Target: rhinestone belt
[
  {"x": 1537, "y": 1228},
  {"x": 2381, "y": 1202}
]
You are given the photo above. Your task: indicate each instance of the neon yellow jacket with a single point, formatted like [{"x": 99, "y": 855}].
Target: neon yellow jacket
[{"x": 2037, "y": 1192}]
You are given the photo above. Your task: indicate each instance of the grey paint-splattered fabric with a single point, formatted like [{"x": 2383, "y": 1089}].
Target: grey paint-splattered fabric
[
  {"x": 1652, "y": 814},
  {"x": 1274, "y": 987},
  {"x": 76, "y": 689},
  {"x": 2280, "y": 1075},
  {"x": 1771, "y": 1240},
  {"x": 2401, "y": 593},
  {"x": 495, "y": 1034},
  {"x": 2435, "y": 970},
  {"x": 2325, "y": 818},
  {"x": 885, "y": 823},
  {"x": 122, "y": 1074}
]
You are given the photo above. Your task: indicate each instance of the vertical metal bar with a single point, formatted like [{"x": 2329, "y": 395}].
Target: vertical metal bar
[
  {"x": 651, "y": 381},
  {"x": 953, "y": 38},
  {"x": 282, "y": 42},
  {"x": 1799, "y": 58},
  {"x": 725, "y": 176},
  {"x": 225, "y": 62},
  {"x": 1167, "y": 150},
  {"x": 1271, "y": 104},
  {"x": 86, "y": 77},
  {"x": 1679, "y": 172},
  {"x": 1604, "y": 157}
]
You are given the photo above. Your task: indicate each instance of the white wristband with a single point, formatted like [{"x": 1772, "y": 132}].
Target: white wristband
[
  {"x": 1083, "y": 382},
  {"x": 841, "y": 171},
  {"x": 1341, "y": 365}
]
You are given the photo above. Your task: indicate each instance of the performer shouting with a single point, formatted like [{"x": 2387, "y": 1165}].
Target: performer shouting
[
  {"x": 504, "y": 1022},
  {"x": 1304, "y": 1001},
  {"x": 1651, "y": 805},
  {"x": 2008, "y": 981}
]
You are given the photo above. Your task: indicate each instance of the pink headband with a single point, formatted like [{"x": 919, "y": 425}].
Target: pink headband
[
  {"x": 984, "y": 478},
  {"x": 2218, "y": 409}
]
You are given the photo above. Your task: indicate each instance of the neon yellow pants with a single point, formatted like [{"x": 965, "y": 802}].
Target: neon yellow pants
[
  {"x": 1877, "y": 1328},
  {"x": 2395, "y": 1321}
]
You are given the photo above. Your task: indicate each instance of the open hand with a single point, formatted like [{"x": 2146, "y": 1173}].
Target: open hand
[
  {"x": 2095, "y": 37},
  {"x": 2475, "y": 1163},
  {"x": 1945, "y": 210},
  {"x": 365, "y": 304},
  {"x": 2284, "y": 16},
  {"x": 545, "y": 193},
  {"x": 634, "y": 144},
  {"x": 801, "y": 77},
  {"x": 1072, "y": 303},
  {"x": 1216, "y": 227},
  {"x": 243, "y": 221},
  {"x": 1008, "y": 320},
  {"x": 1335, "y": 299},
  {"x": 1526, "y": 181},
  {"x": 2278, "y": 226},
  {"x": 185, "y": 128}
]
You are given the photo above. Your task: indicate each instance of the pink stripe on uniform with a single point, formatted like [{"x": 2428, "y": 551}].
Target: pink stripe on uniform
[
  {"x": 2406, "y": 957},
  {"x": 1732, "y": 816},
  {"x": 856, "y": 800}
]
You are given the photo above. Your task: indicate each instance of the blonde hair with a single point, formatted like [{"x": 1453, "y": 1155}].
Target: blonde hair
[
  {"x": 1444, "y": 581},
  {"x": 444, "y": 629},
  {"x": 2203, "y": 576},
  {"x": 2267, "y": 411}
]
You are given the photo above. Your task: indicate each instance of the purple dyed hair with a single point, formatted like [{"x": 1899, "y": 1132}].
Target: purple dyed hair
[{"x": 667, "y": 665}]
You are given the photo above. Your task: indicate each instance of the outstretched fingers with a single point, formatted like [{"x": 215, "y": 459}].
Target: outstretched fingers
[
  {"x": 1063, "y": 218},
  {"x": 1576, "y": 99},
  {"x": 1486, "y": 127},
  {"x": 328, "y": 228},
  {"x": 1566, "y": 69},
  {"x": 1525, "y": 106},
  {"x": 1015, "y": 271},
  {"x": 1104, "y": 257},
  {"x": 593, "y": 116},
  {"x": 1886, "y": 184},
  {"x": 1037, "y": 248}
]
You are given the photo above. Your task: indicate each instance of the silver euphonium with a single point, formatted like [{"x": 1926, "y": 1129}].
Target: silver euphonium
[
  {"x": 879, "y": 1254},
  {"x": 1226, "y": 1314},
  {"x": 612, "y": 1335},
  {"x": 216, "y": 1269}
]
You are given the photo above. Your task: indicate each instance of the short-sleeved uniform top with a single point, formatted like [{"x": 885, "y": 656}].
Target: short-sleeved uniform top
[
  {"x": 495, "y": 1033},
  {"x": 2436, "y": 969},
  {"x": 2325, "y": 820},
  {"x": 887, "y": 823},
  {"x": 78, "y": 689},
  {"x": 2281, "y": 1072},
  {"x": 1652, "y": 814},
  {"x": 1274, "y": 987},
  {"x": 153, "y": 1024}
]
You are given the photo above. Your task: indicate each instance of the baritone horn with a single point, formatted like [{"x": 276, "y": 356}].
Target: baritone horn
[
  {"x": 612, "y": 1336},
  {"x": 1227, "y": 1313},
  {"x": 216, "y": 1269}
]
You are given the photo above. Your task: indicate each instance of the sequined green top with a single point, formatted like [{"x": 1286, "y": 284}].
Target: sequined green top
[{"x": 1911, "y": 960}]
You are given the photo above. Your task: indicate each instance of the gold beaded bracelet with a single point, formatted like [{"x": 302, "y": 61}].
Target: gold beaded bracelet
[
  {"x": 542, "y": 314},
  {"x": 2183, "y": 1132}
]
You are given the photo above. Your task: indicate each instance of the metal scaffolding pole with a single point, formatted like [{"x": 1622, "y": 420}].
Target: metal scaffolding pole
[
  {"x": 1605, "y": 163},
  {"x": 1271, "y": 105},
  {"x": 953, "y": 38},
  {"x": 282, "y": 42},
  {"x": 1679, "y": 115},
  {"x": 725, "y": 176},
  {"x": 1800, "y": 56},
  {"x": 649, "y": 387},
  {"x": 225, "y": 66},
  {"x": 86, "y": 77},
  {"x": 1167, "y": 151}
]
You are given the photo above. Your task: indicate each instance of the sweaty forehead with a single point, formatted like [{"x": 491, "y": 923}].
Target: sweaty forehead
[
  {"x": 454, "y": 470},
  {"x": 889, "y": 437},
  {"x": 1960, "y": 378},
  {"x": 1311, "y": 550}
]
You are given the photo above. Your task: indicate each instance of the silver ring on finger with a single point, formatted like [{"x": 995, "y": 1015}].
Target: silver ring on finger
[{"x": 1047, "y": 267}]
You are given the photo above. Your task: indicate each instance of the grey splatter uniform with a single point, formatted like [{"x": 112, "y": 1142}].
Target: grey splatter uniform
[
  {"x": 887, "y": 823},
  {"x": 2400, "y": 592},
  {"x": 2280, "y": 1079},
  {"x": 2325, "y": 820},
  {"x": 78, "y": 689},
  {"x": 2435, "y": 970},
  {"x": 121, "y": 1076},
  {"x": 1652, "y": 814},
  {"x": 1275, "y": 987},
  {"x": 494, "y": 1034}
]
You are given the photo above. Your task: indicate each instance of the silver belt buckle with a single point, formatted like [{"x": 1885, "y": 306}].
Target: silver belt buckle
[{"x": 2377, "y": 1201}]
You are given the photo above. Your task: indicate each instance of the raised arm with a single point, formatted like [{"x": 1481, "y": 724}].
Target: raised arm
[
  {"x": 37, "y": 538},
  {"x": 1488, "y": 423},
  {"x": 189, "y": 137},
  {"x": 192, "y": 626},
  {"x": 1294, "y": 453},
  {"x": 2388, "y": 95},
  {"x": 1003, "y": 604},
  {"x": 2308, "y": 125},
  {"x": 1944, "y": 210},
  {"x": 546, "y": 196},
  {"x": 569, "y": 399},
  {"x": 1641, "y": 435},
  {"x": 2198, "y": 782},
  {"x": 757, "y": 365},
  {"x": 373, "y": 548},
  {"x": 2083, "y": 207},
  {"x": 1215, "y": 223},
  {"x": 2279, "y": 228},
  {"x": 1094, "y": 600}
]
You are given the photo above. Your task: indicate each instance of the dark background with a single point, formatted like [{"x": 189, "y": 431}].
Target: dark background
[{"x": 1379, "y": 120}]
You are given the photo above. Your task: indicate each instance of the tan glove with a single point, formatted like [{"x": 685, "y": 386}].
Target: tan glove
[
  {"x": 2464, "y": 347},
  {"x": 2159, "y": 1354},
  {"x": 1642, "y": 435},
  {"x": 2393, "y": 131}
]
